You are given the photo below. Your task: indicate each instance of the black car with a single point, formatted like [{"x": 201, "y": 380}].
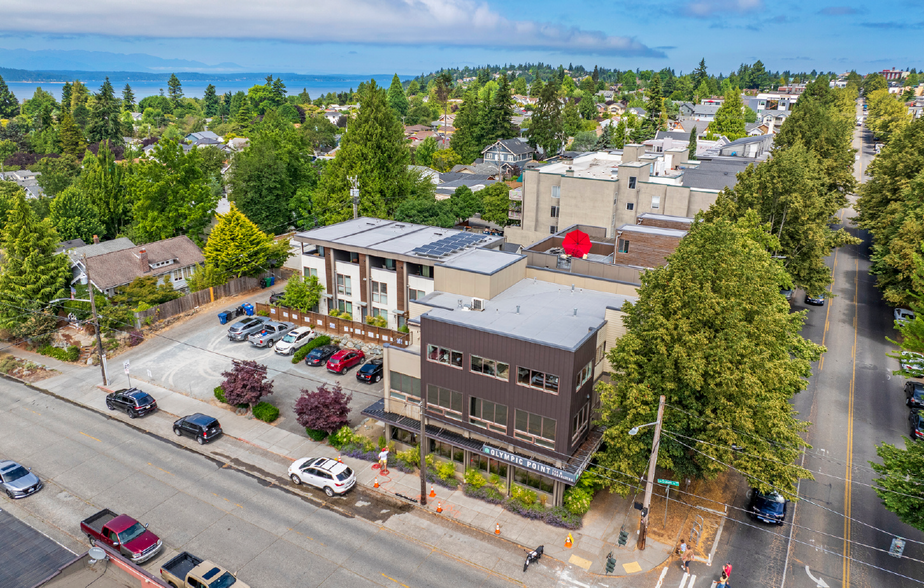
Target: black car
[
  {"x": 769, "y": 508},
  {"x": 200, "y": 426},
  {"x": 133, "y": 401},
  {"x": 916, "y": 419},
  {"x": 371, "y": 371},
  {"x": 815, "y": 300},
  {"x": 320, "y": 355},
  {"x": 276, "y": 297},
  {"x": 915, "y": 393}
]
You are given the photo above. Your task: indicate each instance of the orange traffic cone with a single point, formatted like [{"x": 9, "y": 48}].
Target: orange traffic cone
[
  {"x": 376, "y": 485},
  {"x": 339, "y": 460},
  {"x": 497, "y": 529},
  {"x": 432, "y": 492},
  {"x": 439, "y": 507},
  {"x": 569, "y": 541}
]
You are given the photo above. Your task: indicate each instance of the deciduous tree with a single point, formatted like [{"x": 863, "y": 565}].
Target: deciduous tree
[
  {"x": 423, "y": 155},
  {"x": 302, "y": 294},
  {"x": 74, "y": 216},
  {"x": 496, "y": 199},
  {"x": 325, "y": 409},
  {"x": 170, "y": 194},
  {"x": 899, "y": 483},
  {"x": 57, "y": 173},
  {"x": 246, "y": 383},
  {"x": 711, "y": 332},
  {"x": 102, "y": 181},
  {"x": 729, "y": 118}
]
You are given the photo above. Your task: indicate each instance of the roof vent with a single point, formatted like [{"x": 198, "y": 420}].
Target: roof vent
[
  {"x": 575, "y": 312},
  {"x": 518, "y": 309}
]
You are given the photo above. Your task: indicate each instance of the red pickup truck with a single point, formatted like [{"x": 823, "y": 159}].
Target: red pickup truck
[{"x": 122, "y": 532}]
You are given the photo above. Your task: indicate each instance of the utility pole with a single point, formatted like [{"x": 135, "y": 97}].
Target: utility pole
[
  {"x": 423, "y": 448},
  {"x": 649, "y": 485},
  {"x": 99, "y": 340},
  {"x": 354, "y": 195}
]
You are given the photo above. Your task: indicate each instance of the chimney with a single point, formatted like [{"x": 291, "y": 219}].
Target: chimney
[
  {"x": 569, "y": 171},
  {"x": 96, "y": 239},
  {"x": 143, "y": 256}
]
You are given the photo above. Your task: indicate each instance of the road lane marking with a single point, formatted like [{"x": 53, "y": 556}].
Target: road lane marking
[
  {"x": 161, "y": 469},
  {"x": 90, "y": 436},
  {"x": 848, "y": 490},
  {"x": 395, "y": 581}
]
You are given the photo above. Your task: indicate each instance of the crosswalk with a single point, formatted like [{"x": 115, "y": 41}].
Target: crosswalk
[{"x": 688, "y": 580}]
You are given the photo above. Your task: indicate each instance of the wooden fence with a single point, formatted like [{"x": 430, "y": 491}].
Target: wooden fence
[
  {"x": 194, "y": 300},
  {"x": 337, "y": 326}
]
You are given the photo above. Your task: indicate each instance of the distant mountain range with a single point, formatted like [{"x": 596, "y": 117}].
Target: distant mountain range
[{"x": 104, "y": 61}]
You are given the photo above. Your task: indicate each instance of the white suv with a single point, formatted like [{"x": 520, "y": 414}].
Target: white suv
[
  {"x": 294, "y": 339},
  {"x": 903, "y": 315},
  {"x": 327, "y": 474}
]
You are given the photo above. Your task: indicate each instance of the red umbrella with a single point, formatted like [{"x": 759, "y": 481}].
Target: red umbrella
[{"x": 576, "y": 244}]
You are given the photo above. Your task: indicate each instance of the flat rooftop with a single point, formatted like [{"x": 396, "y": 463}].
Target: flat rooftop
[
  {"x": 600, "y": 165},
  {"x": 679, "y": 233},
  {"x": 482, "y": 261},
  {"x": 666, "y": 217},
  {"x": 531, "y": 310},
  {"x": 27, "y": 556},
  {"x": 393, "y": 238}
]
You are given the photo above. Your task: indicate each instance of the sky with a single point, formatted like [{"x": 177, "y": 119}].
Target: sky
[{"x": 409, "y": 37}]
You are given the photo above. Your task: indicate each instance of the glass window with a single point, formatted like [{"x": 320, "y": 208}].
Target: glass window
[
  {"x": 404, "y": 387},
  {"x": 503, "y": 371},
  {"x": 444, "y": 355},
  {"x": 456, "y": 358},
  {"x": 489, "y": 415},
  {"x": 477, "y": 364},
  {"x": 380, "y": 292},
  {"x": 584, "y": 375},
  {"x": 523, "y": 376},
  {"x": 556, "y": 191},
  {"x": 534, "y": 428},
  {"x": 656, "y": 202},
  {"x": 554, "y": 213},
  {"x": 310, "y": 271},
  {"x": 344, "y": 285},
  {"x": 622, "y": 246},
  {"x": 444, "y": 401},
  {"x": 601, "y": 352},
  {"x": 631, "y": 182},
  {"x": 630, "y": 206},
  {"x": 345, "y": 306},
  {"x": 553, "y": 229}
]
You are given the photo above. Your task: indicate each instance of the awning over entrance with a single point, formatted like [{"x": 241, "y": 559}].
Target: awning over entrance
[{"x": 568, "y": 474}]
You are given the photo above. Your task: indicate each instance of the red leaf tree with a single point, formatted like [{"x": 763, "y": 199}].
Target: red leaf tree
[
  {"x": 326, "y": 409},
  {"x": 246, "y": 383}
]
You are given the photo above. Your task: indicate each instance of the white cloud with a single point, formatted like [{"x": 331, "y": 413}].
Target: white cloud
[
  {"x": 709, "y": 8},
  {"x": 464, "y": 23}
]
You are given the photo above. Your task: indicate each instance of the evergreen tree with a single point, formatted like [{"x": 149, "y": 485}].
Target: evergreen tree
[
  {"x": 66, "y": 98},
  {"x": 571, "y": 118},
  {"x": 102, "y": 183},
  {"x": 224, "y": 106},
  {"x": 32, "y": 274},
  {"x": 619, "y": 135},
  {"x": 546, "y": 128},
  {"x": 70, "y": 137},
  {"x": 397, "y": 99},
  {"x": 210, "y": 101},
  {"x": 373, "y": 150},
  {"x": 711, "y": 332},
  {"x": 468, "y": 139},
  {"x": 80, "y": 95},
  {"x": 237, "y": 247},
  {"x": 498, "y": 114},
  {"x": 175, "y": 89},
  {"x": 74, "y": 216},
  {"x": 606, "y": 140},
  {"x": 413, "y": 88},
  {"x": 304, "y": 97},
  {"x": 128, "y": 99},
  {"x": 655, "y": 105},
  {"x": 170, "y": 194},
  {"x": 692, "y": 145},
  {"x": 535, "y": 89},
  {"x": 9, "y": 105},
  {"x": 729, "y": 118},
  {"x": 699, "y": 74},
  {"x": 243, "y": 116},
  {"x": 105, "y": 124}
]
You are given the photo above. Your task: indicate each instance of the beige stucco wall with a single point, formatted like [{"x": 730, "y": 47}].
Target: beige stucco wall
[
  {"x": 466, "y": 283},
  {"x": 579, "y": 281},
  {"x": 585, "y": 201},
  {"x": 405, "y": 362}
]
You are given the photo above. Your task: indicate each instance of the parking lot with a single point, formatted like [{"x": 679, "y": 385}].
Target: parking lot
[{"x": 189, "y": 358}]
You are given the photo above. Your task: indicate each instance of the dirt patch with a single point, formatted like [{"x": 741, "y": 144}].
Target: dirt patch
[{"x": 24, "y": 370}]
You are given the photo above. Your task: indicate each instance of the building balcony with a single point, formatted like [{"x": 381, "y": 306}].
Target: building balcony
[
  {"x": 516, "y": 195},
  {"x": 515, "y": 215}
]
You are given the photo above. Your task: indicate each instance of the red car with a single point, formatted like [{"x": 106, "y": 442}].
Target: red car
[{"x": 344, "y": 360}]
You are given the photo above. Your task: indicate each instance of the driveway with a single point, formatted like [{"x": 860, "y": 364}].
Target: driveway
[{"x": 189, "y": 358}]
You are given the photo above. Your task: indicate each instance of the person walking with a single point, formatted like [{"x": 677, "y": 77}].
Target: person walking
[
  {"x": 686, "y": 559},
  {"x": 726, "y": 572},
  {"x": 683, "y": 548}
]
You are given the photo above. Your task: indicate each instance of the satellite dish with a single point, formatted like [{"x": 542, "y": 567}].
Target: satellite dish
[{"x": 96, "y": 554}]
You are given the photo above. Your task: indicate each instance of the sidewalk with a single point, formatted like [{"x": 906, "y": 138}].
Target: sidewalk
[{"x": 267, "y": 447}]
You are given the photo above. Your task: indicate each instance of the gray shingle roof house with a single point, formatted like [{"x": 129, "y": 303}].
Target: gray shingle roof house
[
  {"x": 203, "y": 138},
  {"x": 175, "y": 257}
]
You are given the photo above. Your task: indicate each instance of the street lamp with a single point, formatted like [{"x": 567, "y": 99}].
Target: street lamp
[{"x": 652, "y": 464}]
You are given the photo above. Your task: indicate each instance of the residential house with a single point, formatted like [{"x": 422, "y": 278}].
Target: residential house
[
  {"x": 713, "y": 101},
  {"x": 651, "y": 240},
  {"x": 637, "y": 111},
  {"x": 508, "y": 154},
  {"x": 893, "y": 74},
  {"x": 474, "y": 182},
  {"x": 175, "y": 258},
  {"x": 794, "y": 89},
  {"x": 427, "y": 172},
  {"x": 705, "y": 112},
  {"x": 25, "y": 179},
  {"x": 238, "y": 143},
  {"x": 615, "y": 107},
  {"x": 757, "y": 148},
  {"x": 685, "y": 108},
  {"x": 203, "y": 138},
  {"x": 76, "y": 252}
]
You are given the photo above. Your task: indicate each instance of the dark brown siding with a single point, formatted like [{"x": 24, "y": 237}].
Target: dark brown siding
[
  {"x": 330, "y": 264},
  {"x": 364, "y": 284},
  {"x": 516, "y": 352},
  {"x": 646, "y": 249},
  {"x": 682, "y": 225},
  {"x": 402, "y": 285}
]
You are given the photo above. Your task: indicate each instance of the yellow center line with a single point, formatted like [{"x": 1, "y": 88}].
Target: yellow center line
[
  {"x": 161, "y": 469},
  {"x": 90, "y": 436},
  {"x": 848, "y": 491}
]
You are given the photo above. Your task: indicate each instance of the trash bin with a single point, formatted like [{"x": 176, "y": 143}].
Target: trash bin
[
  {"x": 223, "y": 317},
  {"x": 248, "y": 308},
  {"x": 271, "y": 280},
  {"x": 263, "y": 282}
]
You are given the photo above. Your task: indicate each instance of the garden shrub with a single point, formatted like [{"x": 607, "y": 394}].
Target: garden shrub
[
  {"x": 410, "y": 457},
  {"x": 523, "y": 495},
  {"x": 262, "y": 312},
  {"x": 382, "y": 443},
  {"x": 577, "y": 500},
  {"x": 446, "y": 470},
  {"x": 134, "y": 338},
  {"x": 334, "y": 312},
  {"x": 315, "y": 435},
  {"x": 342, "y": 437},
  {"x": 220, "y": 394},
  {"x": 266, "y": 412},
  {"x": 474, "y": 478},
  {"x": 305, "y": 349},
  {"x": 72, "y": 353},
  {"x": 345, "y": 316}
]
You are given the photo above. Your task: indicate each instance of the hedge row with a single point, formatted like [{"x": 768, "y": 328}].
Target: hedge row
[{"x": 307, "y": 347}]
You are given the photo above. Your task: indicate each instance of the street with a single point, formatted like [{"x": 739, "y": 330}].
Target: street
[{"x": 253, "y": 522}]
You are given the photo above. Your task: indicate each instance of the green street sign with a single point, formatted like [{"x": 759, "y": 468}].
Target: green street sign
[{"x": 668, "y": 482}]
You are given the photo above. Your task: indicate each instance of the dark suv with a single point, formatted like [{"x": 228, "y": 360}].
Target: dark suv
[
  {"x": 769, "y": 508},
  {"x": 200, "y": 426},
  {"x": 320, "y": 355},
  {"x": 915, "y": 393},
  {"x": 133, "y": 401},
  {"x": 916, "y": 420}
]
